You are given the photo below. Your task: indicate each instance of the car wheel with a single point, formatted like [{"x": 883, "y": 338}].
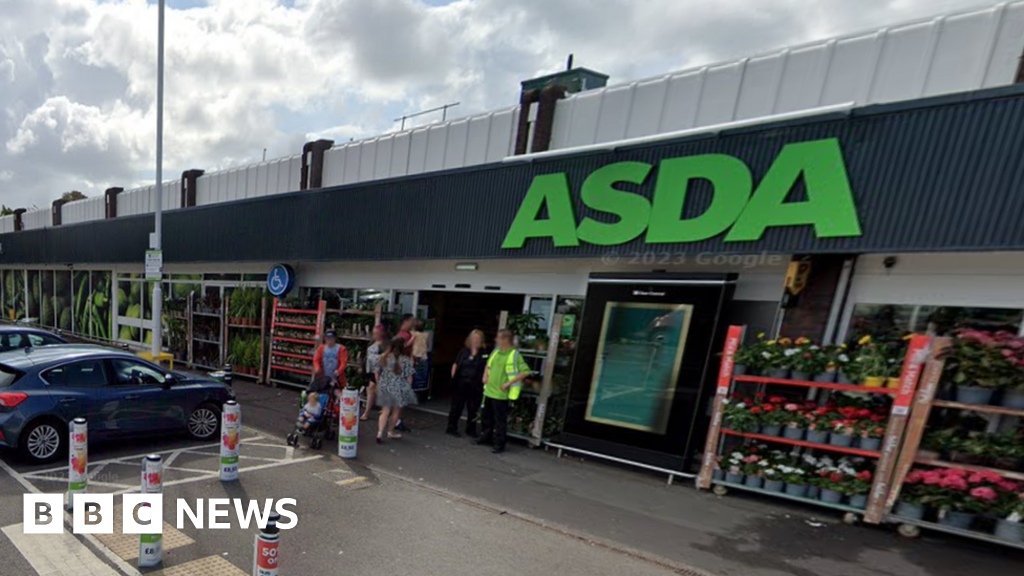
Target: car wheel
[
  {"x": 42, "y": 441},
  {"x": 203, "y": 422}
]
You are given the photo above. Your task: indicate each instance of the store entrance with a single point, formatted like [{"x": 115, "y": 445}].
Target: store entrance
[{"x": 455, "y": 314}]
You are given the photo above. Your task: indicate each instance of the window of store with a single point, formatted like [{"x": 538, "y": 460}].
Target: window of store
[{"x": 895, "y": 320}]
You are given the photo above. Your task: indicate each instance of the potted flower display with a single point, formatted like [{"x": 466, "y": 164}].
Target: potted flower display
[
  {"x": 857, "y": 487},
  {"x": 977, "y": 366},
  {"x": 842, "y": 432},
  {"x": 914, "y": 496},
  {"x": 775, "y": 356},
  {"x": 773, "y": 480},
  {"x": 819, "y": 424},
  {"x": 830, "y": 483},
  {"x": 749, "y": 359},
  {"x": 734, "y": 471},
  {"x": 873, "y": 362},
  {"x": 753, "y": 470},
  {"x": 871, "y": 432},
  {"x": 804, "y": 359},
  {"x": 737, "y": 415},
  {"x": 773, "y": 416},
  {"x": 832, "y": 360},
  {"x": 1009, "y": 526},
  {"x": 795, "y": 421},
  {"x": 796, "y": 480}
]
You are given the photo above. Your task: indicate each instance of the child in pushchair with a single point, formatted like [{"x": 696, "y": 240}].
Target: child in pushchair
[{"x": 316, "y": 419}]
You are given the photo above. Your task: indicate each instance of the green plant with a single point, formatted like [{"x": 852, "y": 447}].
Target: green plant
[
  {"x": 976, "y": 358},
  {"x": 737, "y": 416},
  {"x": 525, "y": 325}
]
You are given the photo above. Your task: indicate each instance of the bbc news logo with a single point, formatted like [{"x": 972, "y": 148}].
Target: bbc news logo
[{"x": 144, "y": 513}]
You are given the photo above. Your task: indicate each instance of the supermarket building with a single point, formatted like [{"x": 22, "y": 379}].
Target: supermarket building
[{"x": 888, "y": 162}]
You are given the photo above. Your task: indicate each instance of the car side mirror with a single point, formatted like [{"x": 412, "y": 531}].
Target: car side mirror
[{"x": 169, "y": 380}]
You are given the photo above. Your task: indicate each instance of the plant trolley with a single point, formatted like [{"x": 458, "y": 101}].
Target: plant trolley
[
  {"x": 295, "y": 333},
  {"x": 725, "y": 439},
  {"x": 930, "y": 409}
]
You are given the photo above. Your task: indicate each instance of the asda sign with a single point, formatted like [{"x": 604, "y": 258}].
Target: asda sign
[{"x": 738, "y": 208}]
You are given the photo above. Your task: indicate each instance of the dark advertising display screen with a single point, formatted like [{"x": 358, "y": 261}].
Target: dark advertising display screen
[{"x": 645, "y": 356}]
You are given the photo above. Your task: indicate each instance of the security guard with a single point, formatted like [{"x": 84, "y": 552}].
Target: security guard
[{"x": 503, "y": 380}]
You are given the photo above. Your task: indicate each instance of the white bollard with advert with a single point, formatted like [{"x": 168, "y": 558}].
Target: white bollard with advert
[
  {"x": 264, "y": 561},
  {"x": 348, "y": 423},
  {"x": 78, "y": 458},
  {"x": 151, "y": 546},
  {"x": 230, "y": 439}
]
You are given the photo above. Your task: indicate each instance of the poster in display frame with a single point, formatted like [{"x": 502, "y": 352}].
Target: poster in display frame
[{"x": 652, "y": 412}]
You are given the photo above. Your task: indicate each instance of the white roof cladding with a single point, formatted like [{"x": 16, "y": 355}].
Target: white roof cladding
[{"x": 953, "y": 53}]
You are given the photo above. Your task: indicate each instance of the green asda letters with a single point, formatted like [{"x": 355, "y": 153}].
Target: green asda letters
[{"x": 733, "y": 210}]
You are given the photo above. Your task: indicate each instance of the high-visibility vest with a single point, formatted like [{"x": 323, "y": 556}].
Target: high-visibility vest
[{"x": 511, "y": 371}]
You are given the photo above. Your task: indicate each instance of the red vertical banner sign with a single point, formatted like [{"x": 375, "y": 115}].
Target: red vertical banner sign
[
  {"x": 918, "y": 352},
  {"x": 733, "y": 340}
]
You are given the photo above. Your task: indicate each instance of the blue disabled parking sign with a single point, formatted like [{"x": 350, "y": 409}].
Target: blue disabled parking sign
[{"x": 281, "y": 280}]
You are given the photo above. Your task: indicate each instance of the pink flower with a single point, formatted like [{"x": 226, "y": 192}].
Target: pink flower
[
  {"x": 984, "y": 493},
  {"x": 954, "y": 483},
  {"x": 1009, "y": 486},
  {"x": 792, "y": 407},
  {"x": 915, "y": 477},
  {"x": 931, "y": 478}
]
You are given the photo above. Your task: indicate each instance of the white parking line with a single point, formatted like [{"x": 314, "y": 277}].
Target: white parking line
[
  {"x": 57, "y": 554},
  {"x": 114, "y": 558}
]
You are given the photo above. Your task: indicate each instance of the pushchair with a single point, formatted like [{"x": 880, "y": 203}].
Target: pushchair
[{"x": 326, "y": 425}]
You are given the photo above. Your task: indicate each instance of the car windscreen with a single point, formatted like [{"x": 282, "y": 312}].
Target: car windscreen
[{"x": 8, "y": 375}]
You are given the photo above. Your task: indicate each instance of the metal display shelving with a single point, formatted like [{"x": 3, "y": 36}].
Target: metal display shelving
[
  {"x": 885, "y": 459},
  {"x": 230, "y": 327},
  {"x": 288, "y": 319},
  {"x": 923, "y": 407}
]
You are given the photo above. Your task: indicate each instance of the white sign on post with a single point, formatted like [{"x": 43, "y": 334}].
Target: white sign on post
[{"x": 154, "y": 265}]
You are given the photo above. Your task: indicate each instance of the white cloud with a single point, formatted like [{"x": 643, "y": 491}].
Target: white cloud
[{"x": 77, "y": 77}]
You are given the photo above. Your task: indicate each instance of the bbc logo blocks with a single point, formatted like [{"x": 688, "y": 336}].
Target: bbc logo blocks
[{"x": 93, "y": 513}]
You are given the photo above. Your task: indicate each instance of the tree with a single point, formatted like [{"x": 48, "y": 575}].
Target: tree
[
  {"x": 5, "y": 211},
  {"x": 72, "y": 196}
]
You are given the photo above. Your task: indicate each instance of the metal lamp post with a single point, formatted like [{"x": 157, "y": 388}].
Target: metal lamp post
[{"x": 156, "y": 242}]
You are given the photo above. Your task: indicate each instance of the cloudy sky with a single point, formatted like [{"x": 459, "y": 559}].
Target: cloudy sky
[{"x": 77, "y": 77}]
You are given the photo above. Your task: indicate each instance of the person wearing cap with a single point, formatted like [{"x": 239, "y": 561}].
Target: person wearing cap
[
  {"x": 373, "y": 353},
  {"x": 331, "y": 359}
]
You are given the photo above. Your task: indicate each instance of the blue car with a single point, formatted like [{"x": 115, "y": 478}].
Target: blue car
[
  {"x": 13, "y": 337},
  {"x": 119, "y": 394}
]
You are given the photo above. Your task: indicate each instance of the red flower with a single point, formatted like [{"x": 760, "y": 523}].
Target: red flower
[
  {"x": 756, "y": 410},
  {"x": 835, "y": 477},
  {"x": 769, "y": 408},
  {"x": 821, "y": 411},
  {"x": 984, "y": 493},
  {"x": 864, "y": 475},
  {"x": 776, "y": 399},
  {"x": 915, "y": 477},
  {"x": 931, "y": 478},
  {"x": 760, "y": 395}
]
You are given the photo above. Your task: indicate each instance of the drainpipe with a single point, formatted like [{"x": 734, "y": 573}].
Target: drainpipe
[
  {"x": 19, "y": 225},
  {"x": 110, "y": 200},
  {"x": 56, "y": 211},
  {"x": 188, "y": 187},
  {"x": 545, "y": 123},
  {"x": 312, "y": 172}
]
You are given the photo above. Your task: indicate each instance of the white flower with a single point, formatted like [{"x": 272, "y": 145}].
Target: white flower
[
  {"x": 741, "y": 405},
  {"x": 766, "y": 355},
  {"x": 791, "y": 351},
  {"x": 815, "y": 347},
  {"x": 843, "y": 358}
]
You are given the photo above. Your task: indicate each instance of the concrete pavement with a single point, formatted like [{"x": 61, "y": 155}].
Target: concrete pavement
[
  {"x": 433, "y": 505},
  {"x": 626, "y": 509}
]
